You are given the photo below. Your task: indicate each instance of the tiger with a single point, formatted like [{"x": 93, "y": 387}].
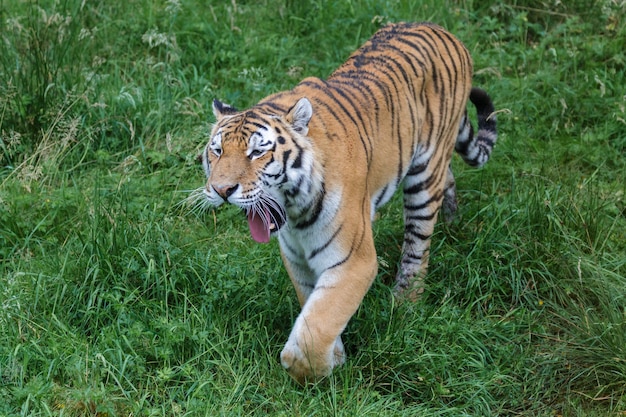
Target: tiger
[{"x": 311, "y": 166}]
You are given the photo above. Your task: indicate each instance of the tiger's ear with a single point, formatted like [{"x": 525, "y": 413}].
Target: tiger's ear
[
  {"x": 222, "y": 109},
  {"x": 300, "y": 115}
]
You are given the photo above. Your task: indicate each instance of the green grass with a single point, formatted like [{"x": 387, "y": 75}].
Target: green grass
[{"x": 118, "y": 300}]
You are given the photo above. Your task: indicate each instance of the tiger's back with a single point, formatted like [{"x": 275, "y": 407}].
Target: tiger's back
[
  {"x": 403, "y": 94},
  {"x": 314, "y": 163}
]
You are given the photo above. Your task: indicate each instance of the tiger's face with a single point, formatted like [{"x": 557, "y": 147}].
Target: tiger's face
[{"x": 249, "y": 162}]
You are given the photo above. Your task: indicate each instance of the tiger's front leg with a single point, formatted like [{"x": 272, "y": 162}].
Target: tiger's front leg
[{"x": 314, "y": 346}]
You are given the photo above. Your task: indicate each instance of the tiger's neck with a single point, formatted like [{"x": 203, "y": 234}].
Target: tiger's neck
[{"x": 304, "y": 190}]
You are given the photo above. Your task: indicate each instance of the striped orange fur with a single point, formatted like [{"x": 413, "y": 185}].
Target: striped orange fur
[{"x": 313, "y": 164}]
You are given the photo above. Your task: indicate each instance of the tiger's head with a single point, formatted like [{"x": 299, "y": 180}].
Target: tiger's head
[{"x": 260, "y": 160}]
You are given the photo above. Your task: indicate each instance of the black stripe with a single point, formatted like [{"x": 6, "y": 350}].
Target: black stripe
[
  {"x": 416, "y": 169},
  {"x": 357, "y": 109},
  {"x": 297, "y": 162},
  {"x": 409, "y": 256},
  {"x": 421, "y": 217},
  {"x": 316, "y": 251},
  {"x": 258, "y": 125},
  {"x": 317, "y": 209},
  {"x": 420, "y": 186},
  {"x": 412, "y": 230},
  {"x": 341, "y": 262},
  {"x": 381, "y": 196},
  {"x": 424, "y": 205}
]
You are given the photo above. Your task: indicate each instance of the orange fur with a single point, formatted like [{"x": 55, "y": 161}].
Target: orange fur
[{"x": 315, "y": 162}]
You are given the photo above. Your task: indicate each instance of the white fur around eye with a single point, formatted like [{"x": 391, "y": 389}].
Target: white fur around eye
[
  {"x": 260, "y": 142},
  {"x": 256, "y": 153},
  {"x": 216, "y": 144}
]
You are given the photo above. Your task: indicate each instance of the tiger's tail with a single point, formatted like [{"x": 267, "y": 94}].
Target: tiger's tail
[{"x": 475, "y": 149}]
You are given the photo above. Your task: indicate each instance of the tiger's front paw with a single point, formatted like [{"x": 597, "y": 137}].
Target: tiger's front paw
[
  {"x": 304, "y": 366},
  {"x": 309, "y": 366}
]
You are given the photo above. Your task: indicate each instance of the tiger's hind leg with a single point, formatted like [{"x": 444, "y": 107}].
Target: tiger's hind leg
[
  {"x": 424, "y": 188},
  {"x": 450, "y": 204}
]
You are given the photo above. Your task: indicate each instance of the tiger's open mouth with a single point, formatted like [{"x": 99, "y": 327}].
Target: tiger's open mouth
[{"x": 264, "y": 218}]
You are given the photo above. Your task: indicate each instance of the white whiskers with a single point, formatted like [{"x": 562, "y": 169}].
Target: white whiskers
[
  {"x": 270, "y": 211},
  {"x": 197, "y": 201},
  {"x": 267, "y": 204}
]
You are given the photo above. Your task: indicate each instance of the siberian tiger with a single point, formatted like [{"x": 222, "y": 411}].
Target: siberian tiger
[{"x": 313, "y": 164}]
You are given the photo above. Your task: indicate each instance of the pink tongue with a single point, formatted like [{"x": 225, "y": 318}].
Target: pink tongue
[{"x": 258, "y": 230}]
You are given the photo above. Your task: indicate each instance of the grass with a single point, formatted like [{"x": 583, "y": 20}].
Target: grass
[{"x": 118, "y": 300}]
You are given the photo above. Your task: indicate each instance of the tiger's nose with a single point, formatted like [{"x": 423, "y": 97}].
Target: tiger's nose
[{"x": 225, "y": 191}]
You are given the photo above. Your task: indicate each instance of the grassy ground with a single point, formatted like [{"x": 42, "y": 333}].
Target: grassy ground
[{"x": 117, "y": 300}]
